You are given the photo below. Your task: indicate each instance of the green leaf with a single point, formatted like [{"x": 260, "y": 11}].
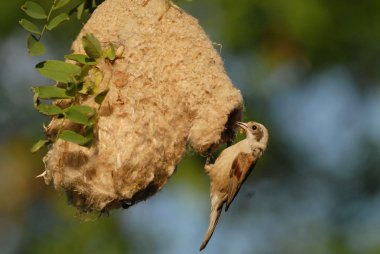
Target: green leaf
[
  {"x": 58, "y": 70},
  {"x": 80, "y": 10},
  {"x": 94, "y": 4},
  {"x": 56, "y": 21},
  {"x": 83, "y": 59},
  {"x": 72, "y": 88},
  {"x": 36, "y": 101},
  {"x": 91, "y": 81},
  {"x": 92, "y": 46},
  {"x": 99, "y": 98},
  {"x": 80, "y": 114},
  {"x": 74, "y": 137},
  {"x": 40, "y": 144},
  {"x": 51, "y": 92},
  {"x": 77, "y": 117},
  {"x": 86, "y": 88},
  {"x": 97, "y": 77},
  {"x": 35, "y": 48},
  {"x": 86, "y": 110},
  {"x": 34, "y": 10},
  {"x": 49, "y": 110},
  {"x": 81, "y": 87},
  {"x": 110, "y": 53},
  {"x": 89, "y": 132},
  {"x": 60, "y": 4},
  {"x": 29, "y": 26}
]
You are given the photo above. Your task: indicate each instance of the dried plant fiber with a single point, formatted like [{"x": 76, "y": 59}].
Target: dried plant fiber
[{"x": 167, "y": 90}]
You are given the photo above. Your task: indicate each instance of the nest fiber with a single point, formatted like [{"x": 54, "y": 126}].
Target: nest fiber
[{"x": 167, "y": 89}]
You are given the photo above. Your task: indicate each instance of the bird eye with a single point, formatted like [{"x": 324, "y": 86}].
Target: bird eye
[{"x": 254, "y": 127}]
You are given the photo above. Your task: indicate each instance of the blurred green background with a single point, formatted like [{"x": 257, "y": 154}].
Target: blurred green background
[{"x": 309, "y": 70}]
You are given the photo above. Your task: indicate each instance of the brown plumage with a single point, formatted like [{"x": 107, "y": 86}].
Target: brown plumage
[{"x": 231, "y": 169}]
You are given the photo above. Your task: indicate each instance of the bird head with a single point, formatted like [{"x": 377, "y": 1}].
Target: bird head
[{"x": 254, "y": 130}]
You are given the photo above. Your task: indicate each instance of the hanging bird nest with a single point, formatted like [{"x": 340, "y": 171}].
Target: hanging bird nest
[{"x": 167, "y": 89}]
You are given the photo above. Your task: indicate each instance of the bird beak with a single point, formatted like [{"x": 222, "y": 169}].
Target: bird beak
[{"x": 242, "y": 125}]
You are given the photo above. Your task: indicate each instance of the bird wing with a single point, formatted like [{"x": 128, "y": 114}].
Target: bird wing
[{"x": 241, "y": 168}]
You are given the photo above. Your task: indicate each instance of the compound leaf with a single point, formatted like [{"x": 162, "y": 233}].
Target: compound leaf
[
  {"x": 83, "y": 59},
  {"x": 74, "y": 137},
  {"x": 99, "y": 98},
  {"x": 49, "y": 110},
  {"x": 58, "y": 70},
  {"x": 56, "y": 21},
  {"x": 35, "y": 48},
  {"x": 51, "y": 92},
  {"x": 110, "y": 53},
  {"x": 40, "y": 144},
  {"x": 92, "y": 46},
  {"x": 60, "y": 4},
  {"x": 80, "y": 114},
  {"x": 34, "y": 10},
  {"x": 29, "y": 26}
]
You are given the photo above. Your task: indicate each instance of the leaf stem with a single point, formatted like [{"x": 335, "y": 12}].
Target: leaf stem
[{"x": 47, "y": 19}]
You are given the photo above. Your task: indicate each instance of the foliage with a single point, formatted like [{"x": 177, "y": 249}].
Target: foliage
[
  {"x": 76, "y": 82},
  {"x": 73, "y": 84},
  {"x": 56, "y": 16},
  {"x": 252, "y": 33}
]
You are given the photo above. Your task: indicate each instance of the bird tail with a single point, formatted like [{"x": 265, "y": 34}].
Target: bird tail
[{"x": 214, "y": 217}]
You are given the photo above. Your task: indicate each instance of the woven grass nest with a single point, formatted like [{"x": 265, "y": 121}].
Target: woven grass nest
[{"x": 167, "y": 91}]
